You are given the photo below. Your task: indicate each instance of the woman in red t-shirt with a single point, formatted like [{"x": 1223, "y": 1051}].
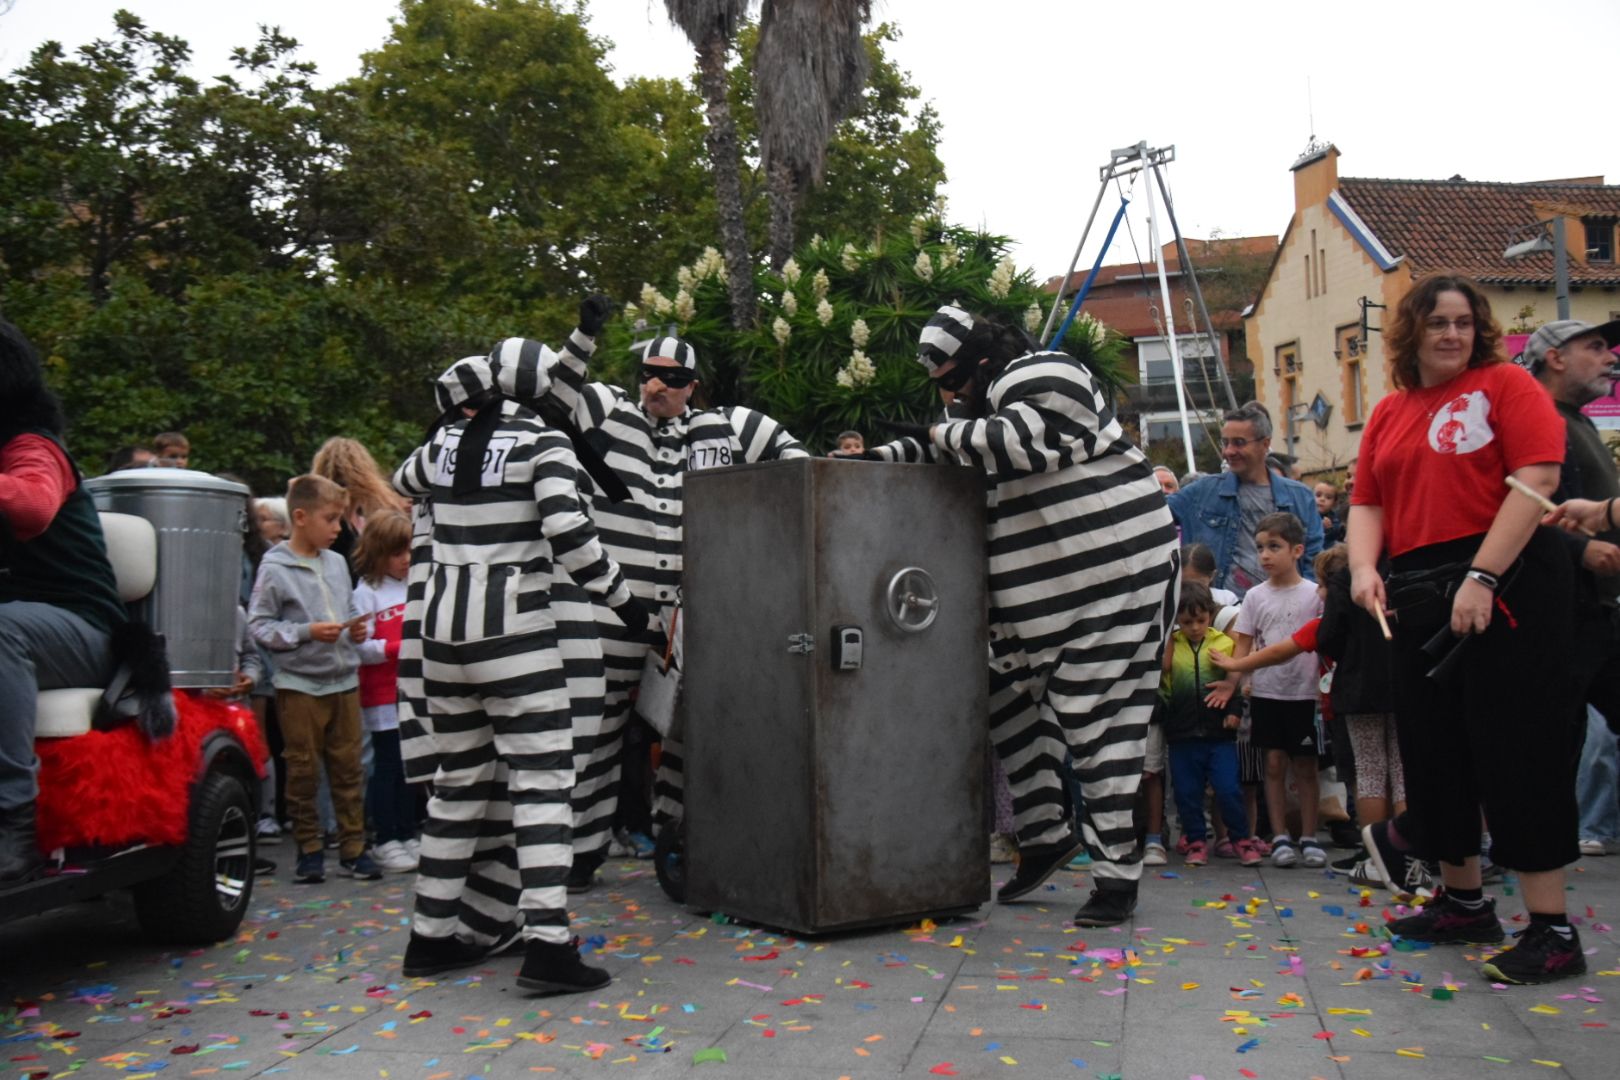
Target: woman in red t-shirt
[{"x": 1476, "y": 582}]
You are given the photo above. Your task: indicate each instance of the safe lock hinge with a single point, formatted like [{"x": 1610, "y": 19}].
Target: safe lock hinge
[{"x": 801, "y": 643}]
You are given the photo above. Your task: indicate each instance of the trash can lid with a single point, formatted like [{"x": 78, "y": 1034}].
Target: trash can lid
[{"x": 159, "y": 479}]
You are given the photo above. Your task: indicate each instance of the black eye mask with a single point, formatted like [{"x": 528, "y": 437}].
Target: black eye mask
[
  {"x": 673, "y": 377},
  {"x": 956, "y": 378}
]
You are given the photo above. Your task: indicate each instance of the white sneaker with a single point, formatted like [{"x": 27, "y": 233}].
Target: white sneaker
[
  {"x": 1594, "y": 847},
  {"x": 394, "y": 857},
  {"x": 1312, "y": 855},
  {"x": 414, "y": 846},
  {"x": 269, "y": 832},
  {"x": 1154, "y": 854},
  {"x": 1283, "y": 852}
]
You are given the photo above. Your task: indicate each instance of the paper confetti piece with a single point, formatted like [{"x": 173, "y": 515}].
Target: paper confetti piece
[{"x": 713, "y": 1053}]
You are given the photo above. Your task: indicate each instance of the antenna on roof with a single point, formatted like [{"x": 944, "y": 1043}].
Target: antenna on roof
[{"x": 1310, "y": 107}]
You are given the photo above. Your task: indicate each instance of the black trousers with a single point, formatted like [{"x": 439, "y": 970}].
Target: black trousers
[{"x": 1504, "y": 732}]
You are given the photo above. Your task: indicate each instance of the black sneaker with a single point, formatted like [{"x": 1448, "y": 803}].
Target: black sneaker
[
  {"x": 1344, "y": 834},
  {"x": 311, "y": 868},
  {"x": 581, "y": 878},
  {"x": 263, "y": 867},
  {"x": 1443, "y": 921},
  {"x": 429, "y": 956},
  {"x": 1539, "y": 954},
  {"x": 1387, "y": 860},
  {"x": 362, "y": 866},
  {"x": 1111, "y": 903},
  {"x": 1347, "y": 864},
  {"x": 550, "y": 968},
  {"x": 1038, "y": 862}
]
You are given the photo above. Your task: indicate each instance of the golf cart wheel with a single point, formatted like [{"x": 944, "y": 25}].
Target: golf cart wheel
[
  {"x": 203, "y": 897},
  {"x": 669, "y": 860}
]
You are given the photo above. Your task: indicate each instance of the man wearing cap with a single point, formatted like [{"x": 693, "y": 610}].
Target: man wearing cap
[
  {"x": 1575, "y": 362},
  {"x": 1082, "y": 591},
  {"x": 505, "y": 512},
  {"x": 649, "y": 441}
]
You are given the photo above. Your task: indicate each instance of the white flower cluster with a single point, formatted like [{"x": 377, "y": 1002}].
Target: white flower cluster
[
  {"x": 824, "y": 311},
  {"x": 1001, "y": 279},
  {"x": 858, "y": 372},
  {"x": 790, "y": 271},
  {"x": 631, "y": 311},
  {"x": 1099, "y": 332},
  {"x": 685, "y": 309},
  {"x": 924, "y": 266},
  {"x": 820, "y": 284},
  {"x": 781, "y": 331},
  {"x": 851, "y": 258},
  {"x": 950, "y": 256},
  {"x": 790, "y": 303},
  {"x": 858, "y": 333},
  {"x": 1032, "y": 317},
  {"x": 655, "y": 301},
  {"x": 919, "y": 225},
  {"x": 815, "y": 241},
  {"x": 685, "y": 278},
  {"x": 710, "y": 264}
]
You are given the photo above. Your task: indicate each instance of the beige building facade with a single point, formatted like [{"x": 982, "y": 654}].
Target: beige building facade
[{"x": 1354, "y": 247}]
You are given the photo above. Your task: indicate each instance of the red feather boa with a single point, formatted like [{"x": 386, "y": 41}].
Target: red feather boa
[{"x": 117, "y": 787}]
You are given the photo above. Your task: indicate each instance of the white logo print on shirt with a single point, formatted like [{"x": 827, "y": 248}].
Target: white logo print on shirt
[{"x": 1462, "y": 425}]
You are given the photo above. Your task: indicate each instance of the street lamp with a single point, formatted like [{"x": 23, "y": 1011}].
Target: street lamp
[{"x": 1555, "y": 244}]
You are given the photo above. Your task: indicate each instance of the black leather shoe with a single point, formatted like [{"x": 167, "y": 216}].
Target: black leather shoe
[
  {"x": 429, "y": 956},
  {"x": 557, "y": 969},
  {"x": 1036, "y": 864},
  {"x": 19, "y": 846},
  {"x": 581, "y": 877},
  {"x": 1111, "y": 903}
]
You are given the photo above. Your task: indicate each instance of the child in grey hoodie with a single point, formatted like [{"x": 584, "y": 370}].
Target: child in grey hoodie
[{"x": 303, "y": 611}]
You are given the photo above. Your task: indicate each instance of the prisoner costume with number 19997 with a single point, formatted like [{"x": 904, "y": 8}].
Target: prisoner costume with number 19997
[
  {"x": 493, "y": 677},
  {"x": 1082, "y": 593},
  {"x": 651, "y": 455}
]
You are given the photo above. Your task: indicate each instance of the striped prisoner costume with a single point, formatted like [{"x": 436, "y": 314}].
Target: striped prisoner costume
[
  {"x": 650, "y": 455},
  {"x": 1082, "y": 595},
  {"x": 493, "y": 678}
]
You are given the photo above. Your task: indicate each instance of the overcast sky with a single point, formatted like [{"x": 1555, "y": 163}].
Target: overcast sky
[{"x": 1034, "y": 93}]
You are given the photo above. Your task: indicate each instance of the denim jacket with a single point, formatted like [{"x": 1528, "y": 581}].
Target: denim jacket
[{"x": 1208, "y": 513}]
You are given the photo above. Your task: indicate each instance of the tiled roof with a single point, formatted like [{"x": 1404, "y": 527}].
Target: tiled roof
[{"x": 1465, "y": 225}]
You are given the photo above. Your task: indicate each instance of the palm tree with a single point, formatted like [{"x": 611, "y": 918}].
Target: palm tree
[
  {"x": 711, "y": 25},
  {"x": 808, "y": 74}
]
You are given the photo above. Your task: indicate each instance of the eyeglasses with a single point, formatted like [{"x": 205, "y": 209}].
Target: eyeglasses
[
  {"x": 673, "y": 377},
  {"x": 1436, "y": 325},
  {"x": 1238, "y": 443}
]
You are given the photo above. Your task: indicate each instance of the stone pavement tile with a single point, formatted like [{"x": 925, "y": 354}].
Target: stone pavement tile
[
  {"x": 879, "y": 1040},
  {"x": 1173, "y": 1055},
  {"x": 973, "y": 1058},
  {"x": 1037, "y": 1011},
  {"x": 1387, "y": 1065}
]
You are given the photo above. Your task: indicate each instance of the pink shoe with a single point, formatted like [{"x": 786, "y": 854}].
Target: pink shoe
[
  {"x": 1225, "y": 850},
  {"x": 1181, "y": 844},
  {"x": 1262, "y": 846},
  {"x": 1248, "y": 852},
  {"x": 1196, "y": 855}
]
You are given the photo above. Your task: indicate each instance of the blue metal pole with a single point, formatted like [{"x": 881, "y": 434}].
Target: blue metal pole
[{"x": 1079, "y": 297}]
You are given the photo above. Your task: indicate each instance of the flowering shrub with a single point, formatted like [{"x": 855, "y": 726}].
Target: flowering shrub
[{"x": 836, "y": 343}]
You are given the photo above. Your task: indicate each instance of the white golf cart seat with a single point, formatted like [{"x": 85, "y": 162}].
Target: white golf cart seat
[{"x": 132, "y": 550}]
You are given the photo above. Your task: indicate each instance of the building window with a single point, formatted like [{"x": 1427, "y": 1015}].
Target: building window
[
  {"x": 1310, "y": 279},
  {"x": 1287, "y": 369},
  {"x": 1348, "y": 350},
  {"x": 1599, "y": 239}
]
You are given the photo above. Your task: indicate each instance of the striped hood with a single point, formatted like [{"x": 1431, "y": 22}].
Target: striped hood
[
  {"x": 462, "y": 381},
  {"x": 519, "y": 366}
]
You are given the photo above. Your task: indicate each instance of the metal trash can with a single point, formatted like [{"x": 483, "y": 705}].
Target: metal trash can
[
  {"x": 836, "y": 695},
  {"x": 199, "y": 520}
]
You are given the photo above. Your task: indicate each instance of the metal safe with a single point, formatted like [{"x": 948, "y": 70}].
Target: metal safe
[{"x": 835, "y": 692}]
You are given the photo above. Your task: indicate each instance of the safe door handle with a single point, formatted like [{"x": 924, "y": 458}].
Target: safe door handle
[{"x": 912, "y": 600}]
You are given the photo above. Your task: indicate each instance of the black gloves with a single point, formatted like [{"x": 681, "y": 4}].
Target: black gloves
[
  {"x": 858, "y": 455},
  {"x": 904, "y": 428},
  {"x": 593, "y": 314}
]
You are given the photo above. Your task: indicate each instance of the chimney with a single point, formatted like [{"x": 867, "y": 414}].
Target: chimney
[{"x": 1316, "y": 174}]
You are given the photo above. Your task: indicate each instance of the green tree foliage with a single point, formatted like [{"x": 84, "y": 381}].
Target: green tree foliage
[
  {"x": 263, "y": 262},
  {"x": 838, "y": 342}
]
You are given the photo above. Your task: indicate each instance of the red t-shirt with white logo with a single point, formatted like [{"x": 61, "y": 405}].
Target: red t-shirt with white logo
[{"x": 1437, "y": 458}]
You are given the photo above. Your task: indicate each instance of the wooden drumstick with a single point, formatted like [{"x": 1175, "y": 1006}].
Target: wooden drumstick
[
  {"x": 1546, "y": 504},
  {"x": 1383, "y": 623}
]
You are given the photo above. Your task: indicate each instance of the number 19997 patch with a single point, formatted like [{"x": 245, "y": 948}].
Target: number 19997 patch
[{"x": 493, "y": 469}]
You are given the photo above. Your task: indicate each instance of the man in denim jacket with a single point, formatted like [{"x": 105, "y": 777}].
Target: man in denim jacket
[{"x": 1222, "y": 510}]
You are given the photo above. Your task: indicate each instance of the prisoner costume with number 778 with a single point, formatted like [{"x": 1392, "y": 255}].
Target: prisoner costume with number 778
[
  {"x": 493, "y": 678},
  {"x": 1082, "y": 593},
  {"x": 651, "y": 456}
]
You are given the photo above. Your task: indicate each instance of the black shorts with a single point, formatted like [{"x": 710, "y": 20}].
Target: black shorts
[{"x": 1285, "y": 725}]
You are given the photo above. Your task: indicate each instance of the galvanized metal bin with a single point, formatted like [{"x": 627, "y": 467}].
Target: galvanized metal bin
[
  {"x": 199, "y": 521},
  {"x": 836, "y": 696}
]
